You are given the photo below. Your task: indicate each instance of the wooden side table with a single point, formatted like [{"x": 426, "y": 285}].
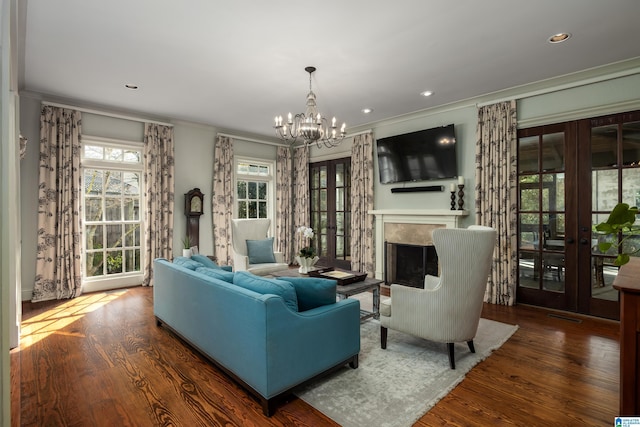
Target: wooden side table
[{"x": 628, "y": 283}]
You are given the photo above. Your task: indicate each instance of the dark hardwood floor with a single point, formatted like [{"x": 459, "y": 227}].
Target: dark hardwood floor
[{"x": 100, "y": 360}]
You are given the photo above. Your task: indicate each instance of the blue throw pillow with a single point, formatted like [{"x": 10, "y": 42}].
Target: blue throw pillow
[
  {"x": 258, "y": 284},
  {"x": 313, "y": 292},
  {"x": 216, "y": 273},
  {"x": 205, "y": 261},
  {"x": 260, "y": 251},
  {"x": 187, "y": 263}
]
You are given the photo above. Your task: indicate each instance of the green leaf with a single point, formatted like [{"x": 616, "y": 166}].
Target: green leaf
[
  {"x": 622, "y": 259},
  {"x": 604, "y": 246},
  {"x": 623, "y": 215}
]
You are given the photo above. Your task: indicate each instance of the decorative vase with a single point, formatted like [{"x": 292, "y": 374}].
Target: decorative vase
[
  {"x": 186, "y": 253},
  {"x": 306, "y": 264}
]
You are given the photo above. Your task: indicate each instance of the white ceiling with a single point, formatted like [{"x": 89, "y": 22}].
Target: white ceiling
[{"x": 237, "y": 64}]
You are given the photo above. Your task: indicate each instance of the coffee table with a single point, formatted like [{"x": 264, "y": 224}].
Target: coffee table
[{"x": 345, "y": 291}]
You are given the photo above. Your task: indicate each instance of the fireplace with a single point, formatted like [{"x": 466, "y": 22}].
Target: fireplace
[{"x": 407, "y": 264}]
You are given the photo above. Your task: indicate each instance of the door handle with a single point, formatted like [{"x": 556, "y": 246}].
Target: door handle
[
  {"x": 570, "y": 240},
  {"x": 584, "y": 241}
]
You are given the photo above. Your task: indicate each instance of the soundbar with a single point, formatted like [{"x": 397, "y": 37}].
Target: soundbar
[{"x": 417, "y": 189}]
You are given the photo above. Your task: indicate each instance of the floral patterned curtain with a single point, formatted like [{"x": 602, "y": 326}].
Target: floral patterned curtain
[
  {"x": 362, "y": 225},
  {"x": 284, "y": 191},
  {"x": 222, "y": 199},
  {"x": 496, "y": 194},
  {"x": 301, "y": 212},
  {"x": 58, "y": 259},
  {"x": 159, "y": 172}
]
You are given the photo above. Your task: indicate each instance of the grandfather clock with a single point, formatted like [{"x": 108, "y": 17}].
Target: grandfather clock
[{"x": 193, "y": 203}]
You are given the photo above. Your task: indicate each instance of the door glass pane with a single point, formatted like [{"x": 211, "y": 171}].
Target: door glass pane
[
  {"x": 323, "y": 177},
  {"x": 528, "y": 154},
  {"x": 529, "y": 193},
  {"x": 553, "y": 272},
  {"x": 529, "y": 269},
  {"x": 340, "y": 175},
  {"x": 340, "y": 247},
  {"x": 631, "y": 186},
  {"x": 553, "y": 192},
  {"x": 604, "y": 189},
  {"x": 339, "y": 199},
  {"x": 604, "y": 143},
  {"x": 323, "y": 200},
  {"x": 631, "y": 144},
  {"x": 553, "y": 151}
]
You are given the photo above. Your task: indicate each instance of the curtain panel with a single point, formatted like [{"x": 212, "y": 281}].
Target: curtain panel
[
  {"x": 302, "y": 211},
  {"x": 59, "y": 250},
  {"x": 284, "y": 232},
  {"x": 362, "y": 223},
  {"x": 159, "y": 188},
  {"x": 222, "y": 199},
  {"x": 496, "y": 194}
]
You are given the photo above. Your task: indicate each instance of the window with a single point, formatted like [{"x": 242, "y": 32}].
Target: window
[
  {"x": 112, "y": 220},
  {"x": 254, "y": 183}
]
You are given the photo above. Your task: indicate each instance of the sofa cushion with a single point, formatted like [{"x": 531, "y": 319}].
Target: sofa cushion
[
  {"x": 258, "y": 284},
  {"x": 260, "y": 251},
  {"x": 216, "y": 273},
  {"x": 204, "y": 260},
  {"x": 313, "y": 292},
  {"x": 187, "y": 263}
]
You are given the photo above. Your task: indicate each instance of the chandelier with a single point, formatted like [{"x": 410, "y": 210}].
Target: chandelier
[{"x": 310, "y": 126}]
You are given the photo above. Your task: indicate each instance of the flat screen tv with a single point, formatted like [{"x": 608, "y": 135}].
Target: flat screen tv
[{"x": 418, "y": 156}]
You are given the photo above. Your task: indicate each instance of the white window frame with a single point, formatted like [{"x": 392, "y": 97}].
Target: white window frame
[
  {"x": 117, "y": 280},
  {"x": 270, "y": 179}
]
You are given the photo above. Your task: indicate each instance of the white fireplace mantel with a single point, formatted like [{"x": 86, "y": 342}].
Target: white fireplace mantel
[{"x": 447, "y": 218}]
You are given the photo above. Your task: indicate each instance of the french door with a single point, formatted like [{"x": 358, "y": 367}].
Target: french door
[
  {"x": 571, "y": 175},
  {"x": 330, "y": 192}
]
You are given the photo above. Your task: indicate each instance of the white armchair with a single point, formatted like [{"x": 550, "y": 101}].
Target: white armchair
[
  {"x": 448, "y": 309},
  {"x": 256, "y": 230}
]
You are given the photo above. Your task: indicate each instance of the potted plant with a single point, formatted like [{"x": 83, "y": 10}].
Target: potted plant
[
  {"x": 621, "y": 220},
  {"x": 186, "y": 251},
  {"x": 306, "y": 257}
]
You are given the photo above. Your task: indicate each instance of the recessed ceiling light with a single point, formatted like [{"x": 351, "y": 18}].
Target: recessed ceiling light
[
  {"x": 559, "y": 38},
  {"x": 131, "y": 86},
  {"x": 426, "y": 93},
  {"x": 367, "y": 110}
]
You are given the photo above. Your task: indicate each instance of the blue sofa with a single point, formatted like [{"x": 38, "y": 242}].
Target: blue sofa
[{"x": 255, "y": 329}]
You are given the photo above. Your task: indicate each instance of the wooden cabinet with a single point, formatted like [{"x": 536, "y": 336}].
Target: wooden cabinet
[{"x": 628, "y": 283}]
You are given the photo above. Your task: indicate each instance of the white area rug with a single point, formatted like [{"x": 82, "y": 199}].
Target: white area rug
[{"x": 396, "y": 386}]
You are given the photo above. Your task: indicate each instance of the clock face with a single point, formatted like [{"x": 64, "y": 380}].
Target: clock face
[{"x": 196, "y": 204}]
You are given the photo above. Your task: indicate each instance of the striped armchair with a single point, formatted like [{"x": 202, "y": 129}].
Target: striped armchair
[{"x": 448, "y": 308}]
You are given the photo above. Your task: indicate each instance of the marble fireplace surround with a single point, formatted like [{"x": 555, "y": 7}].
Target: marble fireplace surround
[{"x": 409, "y": 226}]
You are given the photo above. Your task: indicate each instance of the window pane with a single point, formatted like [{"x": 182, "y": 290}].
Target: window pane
[
  {"x": 94, "y": 235},
  {"x": 262, "y": 209},
  {"x": 323, "y": 223},
  {"x": 93, "y": 152},
  {"x": 323, "y": 177},
  {"x": 112, "y": 209},
  {"x": 242, "y": 189},
  {"x": 93, "y": 182},
  {"x": 132, "y": 156},
  {"x": 131, "y": 183},
  {"x": 630, "y": 146},
  {"x": 262, "y": 190},
  {"x": 114, "y": 262},
  {"x": 340, "y": 247},
  {"x": 93, "y": 264},
  {"x": 114, "y": 154},
  {"x": 132, "y": 260},
  {"x": 340, "y": 199},
  {"x": 114, "y": 235},
  {"x": 252, "y": 190},
  {"x": 114, "y": 182},
  {"x": 93, "y": 209},
  {"x": 253, "y": 209},
  {"x": 132, "y": 236},
  {"x": 529, "y": 191},
  {"x": 242, "y": 209},
  {"x": 131, "y": 209},
  {"x": 323, "y": 200},
  {"x": 340, "y": 175}
]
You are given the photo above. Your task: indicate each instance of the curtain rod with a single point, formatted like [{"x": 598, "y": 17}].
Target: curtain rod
[
  {"x": 102, "y": 113},
  {"x": 244, "y": 138}
]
